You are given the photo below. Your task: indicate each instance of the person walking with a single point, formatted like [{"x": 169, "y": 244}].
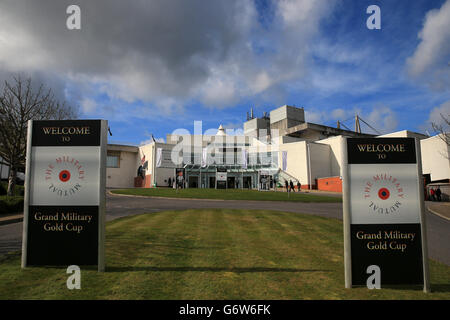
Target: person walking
[
  {"x": 432, "y": 194},
  {"x": 170, "y": 182},
  {"x": 438, "y": 193},
  {"x": 299, "y": 185},
  {"x": 292, "y": 185},
  {"x": 286, "y": 185}
]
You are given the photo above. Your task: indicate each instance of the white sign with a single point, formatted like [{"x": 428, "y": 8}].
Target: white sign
[
  {"x": 384, "y": 193},
  {"x": 221, "y": 176},
  {"x": 65, "y": 176}
]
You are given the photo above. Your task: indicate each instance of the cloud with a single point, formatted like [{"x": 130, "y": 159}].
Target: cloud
[
  {"x": 88, "y": 105},
  {"x": 431, "y": 57},
  {"x": 381, "y": 118},
  {"x": 163, "y": 53},
  {"x": 435, "y": 116}
]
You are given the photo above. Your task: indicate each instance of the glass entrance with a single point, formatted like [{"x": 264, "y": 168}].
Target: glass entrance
[
  {"x": 231, "y": 182},
  {"x": 247, "y": 182},
  {"x": 212, "y": 182},
  {"x": 193, "y": 182}
]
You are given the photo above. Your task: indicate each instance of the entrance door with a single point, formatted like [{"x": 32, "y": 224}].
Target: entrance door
[
  {"x": 231, "y": 182},
  {"x": 212, "y": 182},
  {"x": 247, "y": 182},
  {"x": 193, "y": 182}
]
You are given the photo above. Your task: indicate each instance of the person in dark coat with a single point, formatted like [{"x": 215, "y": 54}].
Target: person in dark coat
[
  {"x": 438, "y": 193},
  {"x": 140, "y": 172},
  {"x": 170, "y": 182},
  {"x": 286, "y": 185},
  {"x": 299, "y": 185},
  {"x": 292, "y": 185}
]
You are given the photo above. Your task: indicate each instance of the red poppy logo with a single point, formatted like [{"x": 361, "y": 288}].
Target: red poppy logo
[
  {"x": 383, "y": 193},
  {"x": 64, "y": 175}
]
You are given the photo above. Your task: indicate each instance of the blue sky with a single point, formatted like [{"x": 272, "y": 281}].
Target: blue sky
[{"x": 154, "y": 68}]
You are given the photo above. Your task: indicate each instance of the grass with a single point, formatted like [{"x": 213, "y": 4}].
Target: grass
[
  {"x": 230, "y": 194},
  {"x": 213, "y": 254}
]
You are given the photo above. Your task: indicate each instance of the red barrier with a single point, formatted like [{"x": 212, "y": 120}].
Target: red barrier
[{"x": 333, "y": 184}]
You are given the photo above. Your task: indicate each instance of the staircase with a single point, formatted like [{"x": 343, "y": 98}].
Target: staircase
[{"x": 282, "y": 176}]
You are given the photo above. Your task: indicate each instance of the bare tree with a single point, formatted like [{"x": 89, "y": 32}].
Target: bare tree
[
  {"x": 19, "y": 103},
  {"x": 443, "y": 133}
]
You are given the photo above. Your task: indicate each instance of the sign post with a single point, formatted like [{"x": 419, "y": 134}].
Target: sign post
[
  {"x": 64, "y": 204},
  {"x": 384, "y": 223}
]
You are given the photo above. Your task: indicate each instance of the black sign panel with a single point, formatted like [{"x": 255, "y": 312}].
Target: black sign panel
[
  {"x": 62, "y": 235},
  {"x": 65, "y": 133},
  {"x": 395, "y": 248},
  {"x": 381, "y": 150},
  {"x": 221, "y": 184}
]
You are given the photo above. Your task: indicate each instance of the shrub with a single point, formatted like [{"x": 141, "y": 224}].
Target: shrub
[
  {"x": 11, "y": 204},
  {"x": 2, "y": 189}
]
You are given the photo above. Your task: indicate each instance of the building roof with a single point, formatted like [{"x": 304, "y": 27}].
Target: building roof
[
  {"x": 120, "y": 147},
  {"x": 303, "y": 128}
]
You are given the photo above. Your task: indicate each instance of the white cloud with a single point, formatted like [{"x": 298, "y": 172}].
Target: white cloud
[
  {"x": 88, "y": 106},
  {"x": 381, "y": 118},
  {"x": 148, "y": 141},
  {"x": 218, "y": 92},
  {"x": 435, "y": 116},
  {"x": 431, "y": 58}
]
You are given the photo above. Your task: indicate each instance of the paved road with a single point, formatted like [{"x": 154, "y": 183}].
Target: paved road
[{"x": 120, "y": 206}]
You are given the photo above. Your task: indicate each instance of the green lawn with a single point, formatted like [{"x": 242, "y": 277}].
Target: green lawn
[
  {"x": 230, "y": 194},
  {"x": 213, "y": 254}
]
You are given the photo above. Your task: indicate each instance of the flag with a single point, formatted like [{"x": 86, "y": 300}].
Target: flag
[
  {"x": 158, "y": 157},
  {"x": 244, "y": 159},
  {"x": 284, "y": 157},
  {"x": 204, "y": 157}
]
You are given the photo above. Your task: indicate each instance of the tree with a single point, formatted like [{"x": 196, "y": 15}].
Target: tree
[
  {"x": 444, "y": 134},
  {"x": 19, "y": 103}
]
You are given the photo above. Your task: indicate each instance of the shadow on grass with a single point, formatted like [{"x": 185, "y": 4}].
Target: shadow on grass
[
  {"x": 440, "y": 287},
  {"x": 434, "y": 288},
  {"x": 208, "y": 269}
]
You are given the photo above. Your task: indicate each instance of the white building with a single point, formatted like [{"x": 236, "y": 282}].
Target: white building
[
  {"x": 435, "y": 159},
  {"x": 281, "y": 147}
]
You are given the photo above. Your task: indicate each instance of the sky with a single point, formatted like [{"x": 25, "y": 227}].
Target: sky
[{"x": 155, "y": 66}]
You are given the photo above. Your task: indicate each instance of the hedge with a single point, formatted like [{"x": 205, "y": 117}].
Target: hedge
[{"x": 11, "y": 204}]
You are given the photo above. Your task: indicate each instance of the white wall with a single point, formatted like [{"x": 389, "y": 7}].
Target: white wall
[
  {"x": 164, "y": 174},
  {"x": 335, "y": 144},
  {"x": 122, "y": 177},
  {"x": 147, "y": 151},
  {"x": 297, "y": 164},
  {"x": 404, "y": 134},
  {"x": 320, "y": 161},
  {"x": 435, "y": 158}
]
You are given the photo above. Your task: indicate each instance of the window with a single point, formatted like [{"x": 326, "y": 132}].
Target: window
[{"x": 113, "y": 160}]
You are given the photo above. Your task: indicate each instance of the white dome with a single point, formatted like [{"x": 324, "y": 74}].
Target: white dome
[{"x": 221, "y": 131}]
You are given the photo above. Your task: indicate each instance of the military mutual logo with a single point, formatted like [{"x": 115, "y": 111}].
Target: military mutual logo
[
  {"x": 64, "y": 176},
  {"x": 383, "y": 194}
]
